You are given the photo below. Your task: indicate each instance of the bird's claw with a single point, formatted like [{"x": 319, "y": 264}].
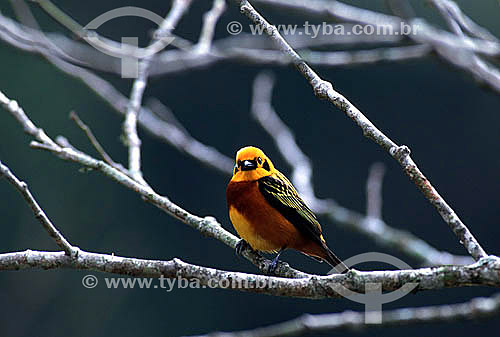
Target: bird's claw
[
  {"x": 241, "y": 246},
  {"x": 272, "y": 267}
]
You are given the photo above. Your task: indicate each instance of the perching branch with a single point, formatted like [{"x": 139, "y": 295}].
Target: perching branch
[
  {"x": 324, "y": 90},
  {"x": 208, "y": 226},
  {"x": 485, "y": 272}
]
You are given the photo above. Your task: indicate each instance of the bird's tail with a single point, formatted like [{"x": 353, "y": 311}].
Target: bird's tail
[{"x": 334, "y": 261}]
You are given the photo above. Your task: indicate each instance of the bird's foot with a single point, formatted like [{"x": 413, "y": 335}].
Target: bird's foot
[
  {"x": 241, "y": 246},
  {"x": 272, "y": 267},
  {"x": 274, "y": 264}
]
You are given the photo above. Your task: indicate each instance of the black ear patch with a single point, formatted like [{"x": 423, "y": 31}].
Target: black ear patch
[
  {"x": 236, "y": 170},
  {"x": 266, "y": 166}
]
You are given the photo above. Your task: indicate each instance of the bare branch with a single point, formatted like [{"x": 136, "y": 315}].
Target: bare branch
[
  {"x": 228, "y": 49},
  {"x": 457, "y": 48},
  {"x": 40, "y": 215},
  {"x": 450, "y": 47},
  {"x": 23, "y": 12},
  {"x": 455, "y": 19},
  {"x": 159, "y": 128},
  {"x": 483, "y": 273},
  {"x": 369, "y": 56},
  {"x": 463, "y": 20},
  {"x": 112, "y": 47},
  {"x": 480, "y": 307},
  {"x": 374, "y": 228},
  {"x": 324, "y": 90},
  {"x": 130, "y": 124},
  {"x": 181, "y": 140},
  {"x": 29, "y": 39},
  {"x": 61, "y": 17},
  {"x": 336, "y": 10},
  {"x": 208, "y": 226},
  {"x": 93, "y": 140},
  {"x": 29, "y": 128},
  {"x": 209, "y": 22}
]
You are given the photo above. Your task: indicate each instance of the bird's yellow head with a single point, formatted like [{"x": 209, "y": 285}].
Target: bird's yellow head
[{"x": 251, "y": 164}]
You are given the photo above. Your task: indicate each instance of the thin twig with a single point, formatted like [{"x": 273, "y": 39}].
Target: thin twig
[
  {"x": 210, "y": 19},
  {"x": 464, "y": 21},
  {"x": 132, "y": 139},
  {"x": 336, "y": 10},
  {"x": 455, "y": 20},
  {"x": 40, "y": 215},
  {"x": 324, "y": 90},
  {"x": 112, "y": 47},
  {"x": 90, "y": 135},
  {"x": 130, "y": 123},
  {"x": 248, "y": 49}
]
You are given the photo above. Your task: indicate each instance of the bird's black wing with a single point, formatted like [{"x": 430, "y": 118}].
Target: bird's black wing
[{"x": 281, "y": 194}]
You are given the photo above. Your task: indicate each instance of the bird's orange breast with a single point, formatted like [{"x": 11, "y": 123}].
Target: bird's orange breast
[{"x": 257, "y": 222}]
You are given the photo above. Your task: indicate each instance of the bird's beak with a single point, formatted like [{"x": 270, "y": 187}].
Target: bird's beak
[{"x": 248, "y": 165}]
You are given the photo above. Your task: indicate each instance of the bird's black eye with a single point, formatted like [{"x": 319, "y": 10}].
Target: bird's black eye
[
  {"x": 266, "y": 166},
  {"x": 259, "y": 160}
]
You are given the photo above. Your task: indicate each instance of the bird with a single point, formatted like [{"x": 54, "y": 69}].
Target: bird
[{"x": 268, "y": 213}]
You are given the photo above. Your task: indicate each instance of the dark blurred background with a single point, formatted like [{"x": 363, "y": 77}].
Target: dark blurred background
[{"x": 450, "y": 122}]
